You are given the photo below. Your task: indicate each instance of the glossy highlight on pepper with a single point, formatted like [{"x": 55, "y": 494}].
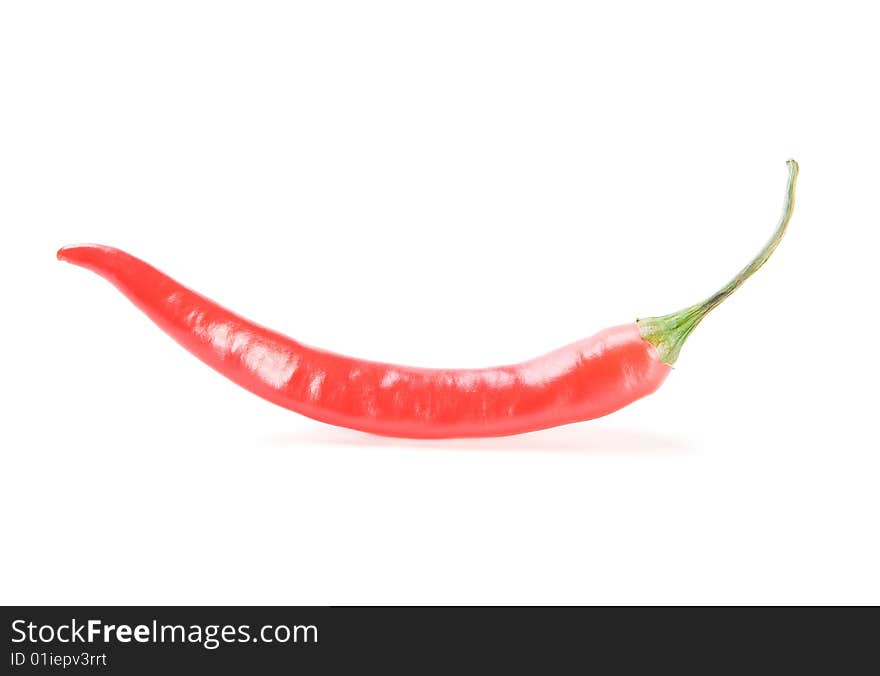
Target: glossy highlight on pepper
[{"x": 584, "y": 380}]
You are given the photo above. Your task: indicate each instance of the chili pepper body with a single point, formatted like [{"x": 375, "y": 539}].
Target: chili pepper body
[{"x": 584, "y": 380}]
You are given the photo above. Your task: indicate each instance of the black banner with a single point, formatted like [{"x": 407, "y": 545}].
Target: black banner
[{"x": 267, "y": 640}]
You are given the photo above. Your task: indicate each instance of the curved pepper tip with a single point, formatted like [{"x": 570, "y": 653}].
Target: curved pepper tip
[{"x": 80, "y": 254}]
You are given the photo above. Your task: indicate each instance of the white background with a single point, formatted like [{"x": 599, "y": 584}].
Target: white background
[{"x": 440, "y": 184}]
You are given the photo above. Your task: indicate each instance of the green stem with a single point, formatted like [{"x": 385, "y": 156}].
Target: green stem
[{"x": 668, "y": 333}]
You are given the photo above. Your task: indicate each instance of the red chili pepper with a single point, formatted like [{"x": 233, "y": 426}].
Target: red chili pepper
[{"x": 584, "y": 380}]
